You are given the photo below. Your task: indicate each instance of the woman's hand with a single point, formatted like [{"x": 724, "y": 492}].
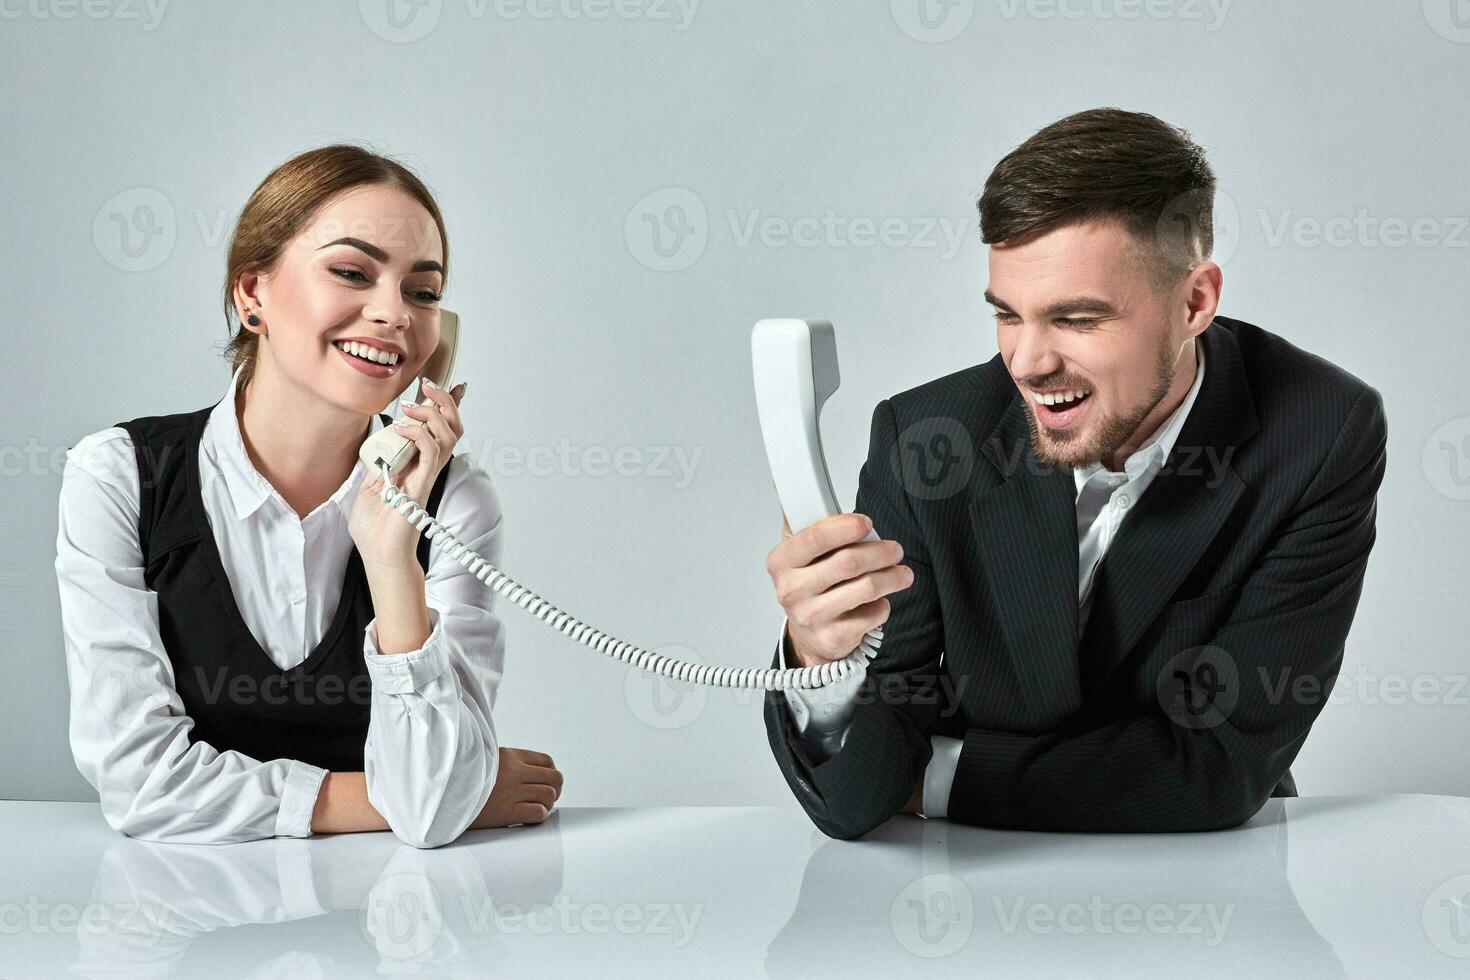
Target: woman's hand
[
  {"x": 382, "y": 536},
  {"x": 527, "y": 785}
]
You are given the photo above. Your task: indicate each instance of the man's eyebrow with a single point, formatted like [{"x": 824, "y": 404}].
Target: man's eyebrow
[
  {"x": 1073, "y": 304},
  {"x": 423, "y": 265}
]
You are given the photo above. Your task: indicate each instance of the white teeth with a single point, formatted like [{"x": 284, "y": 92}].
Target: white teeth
[
  {"x": 1061, "y": 397},
  {"x": 370, "y": 353}
]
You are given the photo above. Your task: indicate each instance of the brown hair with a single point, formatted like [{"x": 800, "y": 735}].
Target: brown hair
[
  {"x": 1109, "y": 163},
  {"x": 284, "y": 202}
]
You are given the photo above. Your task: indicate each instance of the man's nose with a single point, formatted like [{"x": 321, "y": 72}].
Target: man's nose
[{"x": 1034, "y": 358}]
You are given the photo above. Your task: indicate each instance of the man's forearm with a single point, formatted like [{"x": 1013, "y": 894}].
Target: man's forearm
[{"x": 342, "y": 806}]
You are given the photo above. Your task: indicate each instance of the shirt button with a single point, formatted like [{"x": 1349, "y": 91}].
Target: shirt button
[
  {"x": 1123, "y": 501},
  {"x": 298, "y": 596}
]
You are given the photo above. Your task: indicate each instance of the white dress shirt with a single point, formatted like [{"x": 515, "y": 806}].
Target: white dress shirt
[
  {"x": 431, "y": 753},
  {"x": 822, "y": 715}
]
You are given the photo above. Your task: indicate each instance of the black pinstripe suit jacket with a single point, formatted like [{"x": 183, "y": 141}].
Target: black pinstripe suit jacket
[{"x": 1219, "y": 612}]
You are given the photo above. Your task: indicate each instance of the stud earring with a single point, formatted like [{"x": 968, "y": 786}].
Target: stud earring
[{"x": 253, "y": 320}]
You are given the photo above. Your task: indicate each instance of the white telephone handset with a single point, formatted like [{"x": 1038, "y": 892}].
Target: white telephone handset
[
  {"x": 795, "y": 366},
  {"x": 388, "y": 447}
]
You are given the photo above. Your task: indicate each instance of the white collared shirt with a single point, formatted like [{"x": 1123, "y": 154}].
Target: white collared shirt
[
  {"x": 822, "y": 715},
  {"x": 431, "y": 753}
]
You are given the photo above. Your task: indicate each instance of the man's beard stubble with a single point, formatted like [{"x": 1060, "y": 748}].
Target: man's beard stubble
[{"x": 1105, "y": 436}]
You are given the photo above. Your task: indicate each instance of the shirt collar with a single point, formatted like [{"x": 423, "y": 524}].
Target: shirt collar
[
  {"x": 1151, "y": 454},
  {"x": 248, "y": 490}
]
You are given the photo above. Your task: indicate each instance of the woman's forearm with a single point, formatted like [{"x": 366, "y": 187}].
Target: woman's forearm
[{"x": 342, "y": 806}]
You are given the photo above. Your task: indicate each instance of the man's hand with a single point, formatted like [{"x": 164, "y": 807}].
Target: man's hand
[
  {"x": 527, "y": 785},
  {"x": 832, "y": 584}
]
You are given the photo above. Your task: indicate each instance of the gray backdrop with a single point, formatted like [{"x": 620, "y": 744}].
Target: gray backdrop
[{"x": 794, "y": 159}]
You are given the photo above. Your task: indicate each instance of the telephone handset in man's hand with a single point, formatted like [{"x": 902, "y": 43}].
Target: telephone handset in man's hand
[
  {"x": 795, "y": 365},
  {"x": 386, "y": 446}
]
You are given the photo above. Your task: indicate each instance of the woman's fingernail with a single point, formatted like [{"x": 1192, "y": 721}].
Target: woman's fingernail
[
  {"x": 428, "y": 382},
  {"x": 407, "y": 405}
]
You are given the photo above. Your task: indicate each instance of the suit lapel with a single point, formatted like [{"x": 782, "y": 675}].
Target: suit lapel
[
  {"x": 1161, "y": 539},
  {"x": 1026, "y": 531}
]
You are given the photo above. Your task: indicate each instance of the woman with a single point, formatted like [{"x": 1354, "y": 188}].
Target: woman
[{"x": 256, "y": 645}]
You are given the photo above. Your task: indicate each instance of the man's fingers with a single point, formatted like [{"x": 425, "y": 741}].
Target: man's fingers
[
  {"x": 849, "y": 563},
  {"x": 537, "y": 793},
  {"x": 529, "y": 813},
  {"x": 829, "y": 533},
  {"x": 839, "y": 600},
  {"x": 543, "y": 775}
]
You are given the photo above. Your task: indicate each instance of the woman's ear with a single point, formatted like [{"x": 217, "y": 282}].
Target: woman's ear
[{"x": 248, "y": 304}]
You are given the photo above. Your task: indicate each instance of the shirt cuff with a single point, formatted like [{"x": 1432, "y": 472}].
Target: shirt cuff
[
  {"x": 939, "y": 776},
  {"x": 298, "y": 888},
  {"x": 298, "y": 799},
  {"x": 404, "y": 673},
  {"x": 822, "y": 714}
]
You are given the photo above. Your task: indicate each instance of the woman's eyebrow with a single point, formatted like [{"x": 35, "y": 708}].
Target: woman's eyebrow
[{"x": 423, "y": 265}]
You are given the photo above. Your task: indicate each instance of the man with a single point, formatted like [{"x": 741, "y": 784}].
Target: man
[{"x": 1118, "y": 612}]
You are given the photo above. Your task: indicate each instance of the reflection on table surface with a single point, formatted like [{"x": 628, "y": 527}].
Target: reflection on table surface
[{"x": 1310, "y": 887}]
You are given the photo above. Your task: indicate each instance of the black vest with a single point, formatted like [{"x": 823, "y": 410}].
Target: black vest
[{"x": 236, "y": 695}]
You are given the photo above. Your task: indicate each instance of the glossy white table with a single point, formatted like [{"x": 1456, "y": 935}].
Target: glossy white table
[{"x": 1311, "y": 887}]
